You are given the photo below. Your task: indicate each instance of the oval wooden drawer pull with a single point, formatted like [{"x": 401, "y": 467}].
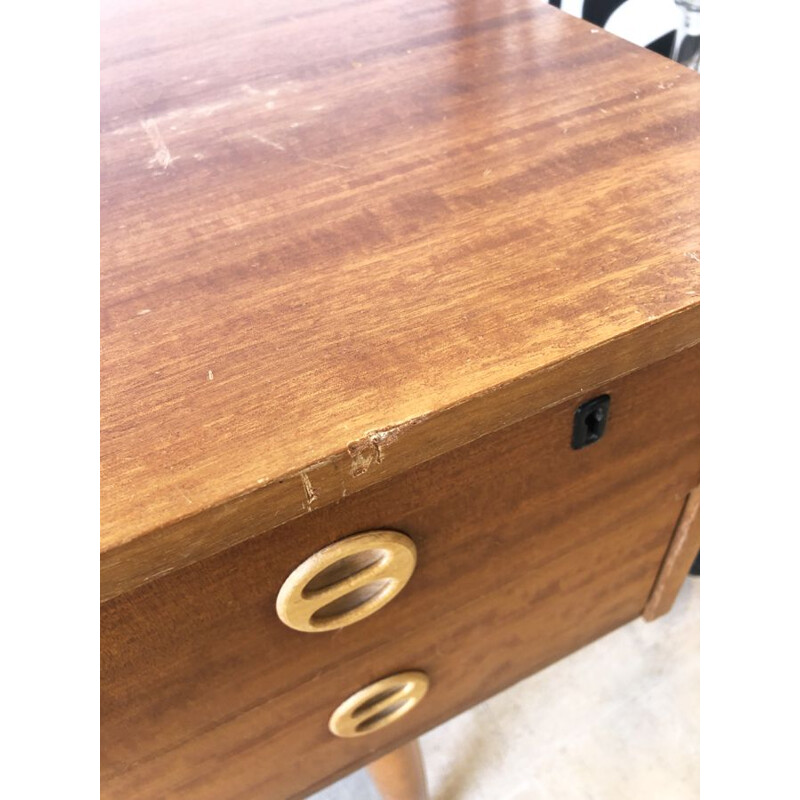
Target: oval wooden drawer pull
[
  {"x": 346, "y": 581},
  {"x": 379, "y": 704}
]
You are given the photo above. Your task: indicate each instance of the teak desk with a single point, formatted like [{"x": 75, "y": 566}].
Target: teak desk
[{"x": 361, "y": 264}]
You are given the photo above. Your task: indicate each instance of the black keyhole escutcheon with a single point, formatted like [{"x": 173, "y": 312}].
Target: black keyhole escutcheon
[{"x": 590, "y": 421}]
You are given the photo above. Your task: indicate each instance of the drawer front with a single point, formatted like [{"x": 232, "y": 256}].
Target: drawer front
[{"x": 526, "y": 550}]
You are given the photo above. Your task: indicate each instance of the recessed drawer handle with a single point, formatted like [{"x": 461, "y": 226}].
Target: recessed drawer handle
[
  {"x": 379, "y": 704},
  {"x": 346, "y": 581}
]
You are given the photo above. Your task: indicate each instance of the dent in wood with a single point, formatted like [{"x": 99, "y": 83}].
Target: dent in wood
[{"x": 369, "y": 450}]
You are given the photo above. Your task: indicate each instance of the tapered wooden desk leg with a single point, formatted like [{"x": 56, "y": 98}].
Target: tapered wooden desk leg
[{"x": 400, "y": 775}]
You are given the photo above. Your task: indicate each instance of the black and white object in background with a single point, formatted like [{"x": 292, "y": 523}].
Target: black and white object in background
[{"x": 668, "y": 27}]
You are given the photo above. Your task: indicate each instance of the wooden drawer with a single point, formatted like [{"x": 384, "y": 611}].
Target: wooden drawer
[{"x": 527, "y": 550}]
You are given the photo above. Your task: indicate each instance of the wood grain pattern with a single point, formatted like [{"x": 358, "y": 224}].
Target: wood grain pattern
[
  {"x": 400, "y": 775},
  {"x": 526, "y": 548},
  {"x": 679, "y": 557},
  {"x": 341, "y": 238}
]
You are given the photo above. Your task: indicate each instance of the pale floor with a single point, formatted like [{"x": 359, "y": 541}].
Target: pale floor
[{"x": 618, "y": 720}]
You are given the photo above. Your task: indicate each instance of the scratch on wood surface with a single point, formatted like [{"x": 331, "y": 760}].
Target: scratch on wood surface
[
  {"x": 259, "y": 138},
  {"x": 252, "y": 91},
  {"x": 210, "y": 375},
  {"x": 143, "y": 312},
  {"x": 182, "y": 114},
  {"x": 308, "y": 489},
  {"x": 162, "y": 156},
  {"x": 277, "y": 146},
  {"x": 693, "y": 256}
]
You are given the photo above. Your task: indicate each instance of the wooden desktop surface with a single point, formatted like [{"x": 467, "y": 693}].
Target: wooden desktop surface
[{"x": 341, "y": 238}]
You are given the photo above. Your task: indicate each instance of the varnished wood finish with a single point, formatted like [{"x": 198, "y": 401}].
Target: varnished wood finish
[
  {"x": 680, "y": 555},
  {"x": 527, "y": 550},
  {"x": 341, "y": 238},
  {"x": 400, "y": 775}
]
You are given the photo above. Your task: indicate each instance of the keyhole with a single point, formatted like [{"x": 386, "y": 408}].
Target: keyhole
[
  {"x": 594, "y": 423},
  {"x": 590, "y": 422}
]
